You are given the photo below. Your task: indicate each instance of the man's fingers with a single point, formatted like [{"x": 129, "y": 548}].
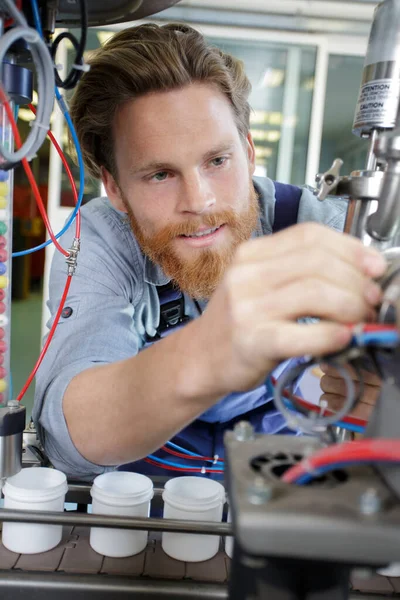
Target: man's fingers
[
  {"x": 315, "y": 297},
  {"x": 303, "y": 265},
  {"x": 283, "y": 339},
  {"x": 311, "y": 236},
  {"x": 338, "y": 387},
  {"x": 368, "y": 377},
  {"x": 335, "y": 403}
]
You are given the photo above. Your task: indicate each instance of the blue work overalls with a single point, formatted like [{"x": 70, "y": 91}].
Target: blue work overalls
[{"x": 205, "y": 435}]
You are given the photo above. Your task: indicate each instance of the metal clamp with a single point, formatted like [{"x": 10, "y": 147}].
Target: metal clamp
[
  {"x": 72, "y": 258},
  {"x": 326, "y": 182}
]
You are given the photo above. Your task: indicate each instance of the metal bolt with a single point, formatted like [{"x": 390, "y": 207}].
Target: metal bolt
[
  {"x": 370, "y": 502},
  {"x": 244, "y": 431},
  {"x": 13, "y": 404},
  {"x": 259, "y": 491}
]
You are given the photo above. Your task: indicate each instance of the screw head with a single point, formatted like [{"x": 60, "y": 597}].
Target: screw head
[
  {"x": 370, "y": 502},
  {"x": 243, "y": 431},
  {"x": 259, "y": 491}
]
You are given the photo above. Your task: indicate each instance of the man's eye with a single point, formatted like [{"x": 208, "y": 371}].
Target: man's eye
[
  {"x": 160, "y": 176},
  {"x": 219, "y": 161}
]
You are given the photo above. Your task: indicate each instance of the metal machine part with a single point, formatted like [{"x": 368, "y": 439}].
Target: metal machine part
[
  {"x": 390, "y": 307},
  {"x": 103, "y": 12},
  {"x": 374, "y": 209},
  {"x": 380, "y": 85},
  {"x": 12, "y": 425},
  {"x": 290, "y": 543}
]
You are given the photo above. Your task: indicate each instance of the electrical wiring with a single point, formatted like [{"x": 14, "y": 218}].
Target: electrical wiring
[
  {"x": 313, "y": 422},
  {"x": 49, "y": 338},
  {"x": 169, "y": 466},
  {"x": 69, "y": 278},
  {"x": 45, "y": 82},
  {"x": 376, "y": 335},
  {"x": 187, "y": 453},
  {"x": 64, "y": 109},
  {"x": 356, "y": 452},
  {"x": 172, "y": 464},
  {"x": 76, "y": 72},
  {"x": 348, "y": 420},
  {"x": 179, "y": 469},
  {"x": 9, "y": 22},
  {"x": 189, "y": 457},
  {"x": 28, "y": 171},
  {"x": 68, "y": 171}
]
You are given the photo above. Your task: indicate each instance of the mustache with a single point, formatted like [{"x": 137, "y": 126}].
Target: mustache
[{"x": 209, "y": 221}]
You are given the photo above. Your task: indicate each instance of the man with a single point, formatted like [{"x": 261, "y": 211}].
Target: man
[{"x": 163, "y": 119}]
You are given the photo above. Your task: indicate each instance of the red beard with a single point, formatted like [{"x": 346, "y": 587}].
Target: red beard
[{"x": 199, "y": 276}]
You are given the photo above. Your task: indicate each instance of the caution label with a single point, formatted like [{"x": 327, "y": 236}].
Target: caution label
[{"x": 377, "y": 103}]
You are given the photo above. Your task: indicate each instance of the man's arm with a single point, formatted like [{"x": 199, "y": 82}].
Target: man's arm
[{"x": 119, "y": 412}]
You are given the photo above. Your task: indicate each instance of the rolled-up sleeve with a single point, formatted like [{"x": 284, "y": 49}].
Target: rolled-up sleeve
[
  {"x": 97, "y": 327},
  {"x": 331, "y": 211}
]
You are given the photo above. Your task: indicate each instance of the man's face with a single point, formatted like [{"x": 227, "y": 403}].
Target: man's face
[{"x": 184, "y": 177}]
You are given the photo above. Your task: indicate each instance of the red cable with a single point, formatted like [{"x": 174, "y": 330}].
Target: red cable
[
  {"x": 69, "y": 278},
  {"x": 317, "y": 408},
  {"x": 357, "y": 451},
  {"x": 49, "y": 338},
  {"x": 189, "y": 456},
  {"x": 9, "y": 22},
  {"x": 69, "y": 173},
  {"x": 28, "y": 171},
  {"x": 181, "y": 469}
]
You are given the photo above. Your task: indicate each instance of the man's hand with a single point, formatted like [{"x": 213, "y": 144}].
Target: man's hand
[
  {"x": 251, "y": 320},
  {"x": 334, "y": 388}
]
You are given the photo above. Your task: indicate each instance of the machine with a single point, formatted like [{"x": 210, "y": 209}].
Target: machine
[
  {"x": 306, "y": 510},
  {"x": 301, "y": 541}
]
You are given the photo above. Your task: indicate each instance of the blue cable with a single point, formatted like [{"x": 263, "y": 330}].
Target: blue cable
[
  {"x": 180, "y": 449},
  {"x": 181, "y": 466},
  {"x": 188, "y": 452},
  {"x": 378, "y": 338},
  {"x": 350, "y": 427},
  {"x": 343, "y": 424},
  {"x": 71, "y": 127}
]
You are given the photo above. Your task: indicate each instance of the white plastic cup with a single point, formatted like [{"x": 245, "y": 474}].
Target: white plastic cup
[
  {"x": 229, "y": 539},
  {"x": 192, "y": 499},
  {"x": 124, "y": 494},
  {"x": 35, "y": 488}
]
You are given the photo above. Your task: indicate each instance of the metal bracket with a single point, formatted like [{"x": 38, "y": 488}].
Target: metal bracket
[{"x": 326, "y": 182}]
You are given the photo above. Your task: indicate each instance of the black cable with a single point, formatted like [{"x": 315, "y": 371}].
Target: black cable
[
  {"x": 7, "y": 166},
  {"x": 197, "y": 305},
  {"x": 75, "y": 74}
]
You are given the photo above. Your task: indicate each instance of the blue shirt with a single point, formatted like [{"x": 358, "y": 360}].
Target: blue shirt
[{"x": 114, "y": 306}]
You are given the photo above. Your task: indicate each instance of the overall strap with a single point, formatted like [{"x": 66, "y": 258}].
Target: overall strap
[
  {"x": 287, "y": 202},
  {"x": 172, "y": 310}
]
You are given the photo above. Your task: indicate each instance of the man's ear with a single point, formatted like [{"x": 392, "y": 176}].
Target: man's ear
[
  {"x": 112, "y": 189},
  {"x": 251, "y": 153}
]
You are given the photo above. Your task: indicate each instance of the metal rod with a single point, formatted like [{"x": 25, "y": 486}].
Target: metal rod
[
  {"x": 90, "y": 520},
  {"x": 74, "y": 488},
  {"x": 370, "y": 164}
]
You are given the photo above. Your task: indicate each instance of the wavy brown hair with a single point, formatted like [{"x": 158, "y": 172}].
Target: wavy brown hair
[{"x": 143, "y": 59}]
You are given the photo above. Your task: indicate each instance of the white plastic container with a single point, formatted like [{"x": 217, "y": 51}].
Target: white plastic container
[
  {"x": 229, "y": 539},
  {"x": 123, "y": 494},
  {"x": 36, "y": 488},
  {"x": 192, "y": 499}
]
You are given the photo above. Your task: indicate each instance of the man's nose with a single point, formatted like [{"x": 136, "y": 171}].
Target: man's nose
[{"x": 196, "y": 195}]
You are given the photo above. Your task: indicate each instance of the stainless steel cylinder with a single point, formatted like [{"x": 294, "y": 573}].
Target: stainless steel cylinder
[
  {"x": 12, "y": 425},
  {"x": 10, "y": 455},
  {"x": 380, "y": 85}
]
